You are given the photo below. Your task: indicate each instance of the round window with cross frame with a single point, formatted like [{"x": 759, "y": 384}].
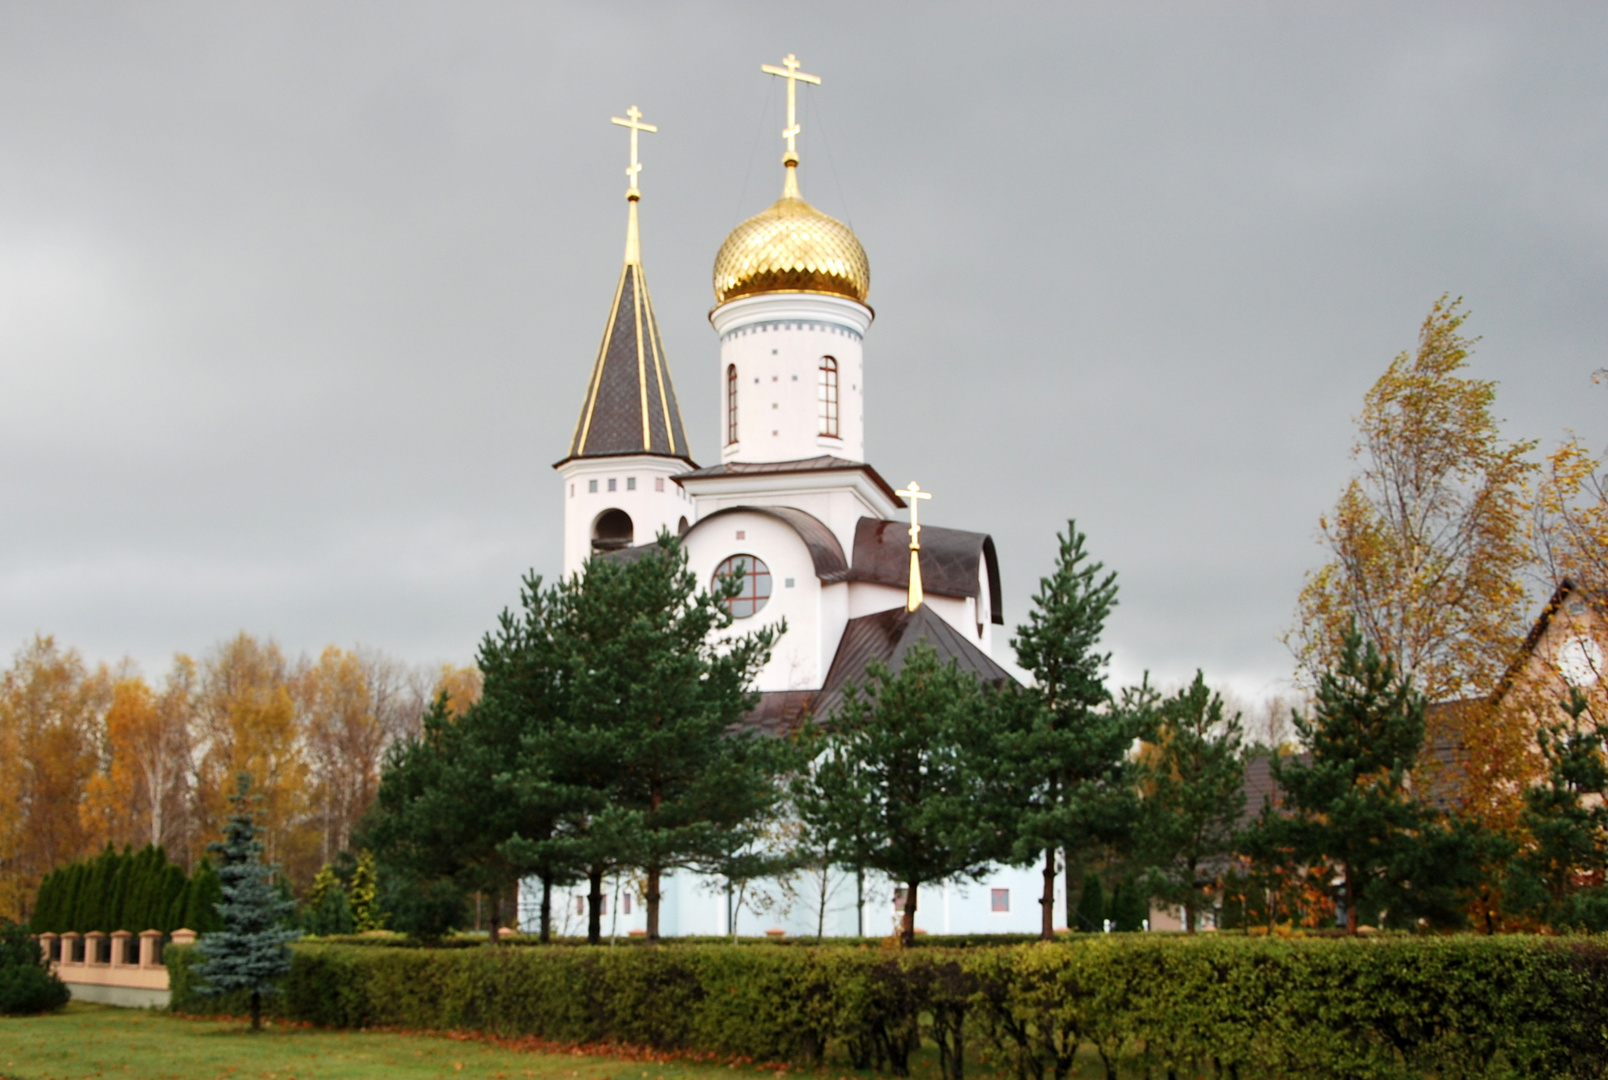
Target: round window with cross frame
[{"x": 755, "y": 589}]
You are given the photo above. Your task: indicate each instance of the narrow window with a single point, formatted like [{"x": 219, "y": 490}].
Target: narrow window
[
  {"x": 1000, "y": 899},
  {"x": 625, "y": 901},
  {"x": 731, "y": 404},
  {"x": 658, "y": 483},
  {"x": 829, "y": 396},
  {"x": 611, "y": 483},
  {"x": 591, "y": 487},
  {"x": 630, "y": 483}
]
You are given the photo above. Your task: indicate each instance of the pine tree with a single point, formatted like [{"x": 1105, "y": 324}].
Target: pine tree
[
  {"x": 902, "y": 779},
  {"x": 1347, "y": 805},
  {"x": 1069, "y": 750},
  {"x": 1194, "y": 780},
  {"x": 1091, "y": 911},
  {"x": 1129, "y": 909},
  {"x": 167, "y": 913},
  {"x": 252, "y": 950},
  {"x": 1568, "y": 817},
  {"x": 202, "y": 898}
]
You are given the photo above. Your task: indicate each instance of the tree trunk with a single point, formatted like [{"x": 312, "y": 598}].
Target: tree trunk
[
  {"x": 652, "y": 897},
  {"x": 1047, "y": 901},
  {"x": 1189, "y": 901},
  {"x": 907, "y": 926},
  {"x": 1351, "y": 905},
  {"x": 496, "y": 916},
  {"x": 547, "y": 910},
  {"x": 594, "y": 907},
  {"x": 256, "y": 1010},
  {"x": 859, "y": 902}
]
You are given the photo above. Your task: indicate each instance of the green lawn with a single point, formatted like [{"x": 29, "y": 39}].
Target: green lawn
[{"x": 99, "y": 1041}]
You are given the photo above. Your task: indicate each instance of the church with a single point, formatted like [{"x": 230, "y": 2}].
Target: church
[{"x": 792, "y": 501}]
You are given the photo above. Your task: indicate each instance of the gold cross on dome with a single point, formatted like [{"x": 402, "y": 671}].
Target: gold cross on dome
[
  {"x": 635, "y": 125},
  {"x": 789, "y": 71},
  {"x": 915, "y": 495}
]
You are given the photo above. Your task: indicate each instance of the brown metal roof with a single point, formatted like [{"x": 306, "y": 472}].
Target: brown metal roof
[
  {"x": 778, "y": 712},
  {"x": 630, "y": 376},
  {"x": 824, "y": 463},
  {"x": 824, "y": 549},
  {"x": 952, "y": 560},
  {"x": 888, "y": 636}
]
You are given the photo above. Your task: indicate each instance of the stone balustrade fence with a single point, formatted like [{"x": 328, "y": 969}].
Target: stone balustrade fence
[{"x": 120, "y": 968}]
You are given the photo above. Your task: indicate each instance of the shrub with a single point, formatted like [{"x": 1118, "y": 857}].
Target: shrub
[
  {"x": 27, "y": 985},
  {"x": 1393, "y": 1007}
]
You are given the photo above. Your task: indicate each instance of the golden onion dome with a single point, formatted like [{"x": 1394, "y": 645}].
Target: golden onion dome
[{"x": 791, "y": 247}]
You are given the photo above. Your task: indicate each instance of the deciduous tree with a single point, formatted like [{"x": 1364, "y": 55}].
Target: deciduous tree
[{"x": 1428, "y": 552}]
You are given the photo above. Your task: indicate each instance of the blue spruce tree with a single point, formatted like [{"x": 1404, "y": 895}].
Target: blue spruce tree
[{"x": 252, "y": 949}]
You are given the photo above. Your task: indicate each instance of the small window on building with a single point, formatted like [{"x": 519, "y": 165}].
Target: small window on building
[
  {"x": 591, "y": 487},
  {"x": 681, "y": 526},
  {"x": 611, "y": 483},
  {"x": 742, "y": 534},
  {"x": 625, "y": 904},
  {"x": 999, "y": 900},
  {"x": 658, "y": 483},
  {"x": 630, "y": 483},
  {"x": 580, "y": 905},
  {"x": 899, "y": 895},
  {"x": 572, "y": 491},
  {"x": 731, "y": 404},
  {"x": 788, "y": 583},
  {"x": 828, "y": 387}
]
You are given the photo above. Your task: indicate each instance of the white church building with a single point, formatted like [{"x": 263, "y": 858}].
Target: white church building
[{"x": 792, "y": 499}]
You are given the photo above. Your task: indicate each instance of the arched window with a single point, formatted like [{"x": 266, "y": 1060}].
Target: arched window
[
  {"x": 828, "y": 384},
  {"x": 731, "y": 404},
  {"x": 612, "y": 531}
]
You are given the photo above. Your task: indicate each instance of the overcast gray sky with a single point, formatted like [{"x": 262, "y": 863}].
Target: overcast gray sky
[{"x": 298, "y": 301}]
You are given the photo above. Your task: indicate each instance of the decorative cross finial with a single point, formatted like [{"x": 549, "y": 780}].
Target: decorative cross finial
[
  {"x": 915, "y": 495},
  {"x": 635, "y": 125},
  {"x": 789, "y": 71}
]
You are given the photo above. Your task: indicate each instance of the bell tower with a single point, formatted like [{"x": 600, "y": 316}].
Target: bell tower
[{"x": 629, "y": 441}]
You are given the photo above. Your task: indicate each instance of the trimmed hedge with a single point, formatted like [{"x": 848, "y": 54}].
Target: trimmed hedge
[{"x": 1214, "y": 1005}]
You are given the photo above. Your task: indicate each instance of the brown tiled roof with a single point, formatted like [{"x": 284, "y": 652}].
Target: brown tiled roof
[
  {"x": 888, "y": 636},
  {"x": 824, "y": 463},
  {"x": 630, "y": 374},
  {"x": 951, "y": 560},
  {"x": 825, "y": 551}
]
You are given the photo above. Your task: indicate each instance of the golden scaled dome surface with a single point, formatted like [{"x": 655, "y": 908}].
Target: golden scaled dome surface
[{"x": 791, "y": 247}]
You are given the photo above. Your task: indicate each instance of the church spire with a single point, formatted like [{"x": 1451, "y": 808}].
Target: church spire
[{"x": 630, "y": 405}]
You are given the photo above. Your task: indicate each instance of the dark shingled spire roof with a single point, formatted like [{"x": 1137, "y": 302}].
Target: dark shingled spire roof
[{"x": 630, "y": 403}]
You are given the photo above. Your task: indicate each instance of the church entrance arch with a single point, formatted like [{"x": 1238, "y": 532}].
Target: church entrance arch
[{"x": 612, "y": 531}]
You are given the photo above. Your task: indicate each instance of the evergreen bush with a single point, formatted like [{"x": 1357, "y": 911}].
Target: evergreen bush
[
  {"x": 1091, "y": 910},
  {"x": 127, "y": 890},
  {"x": 1212, "y": 1004},
  {"x": 27, "y": 984}
]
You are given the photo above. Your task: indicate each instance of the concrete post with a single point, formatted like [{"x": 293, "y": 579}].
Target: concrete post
[
  {"x": 51, "y": 943},
  {"x": 184, "y": 937},
  {"x": 120, "y": 940},
  {"x": 150, "y": 944},
  {"x": 71, "y": 943},
  {"x": 94, "y": 948}
]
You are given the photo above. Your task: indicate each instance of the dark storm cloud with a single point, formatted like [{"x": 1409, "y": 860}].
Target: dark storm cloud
[{"x": 297, "y": 302}]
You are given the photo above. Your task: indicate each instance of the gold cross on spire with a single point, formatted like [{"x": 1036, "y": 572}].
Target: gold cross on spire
[
  {"x": 789, "y": 71},
  {"x": 915, "y": 495},
  {"x": 635, "y": 125}
]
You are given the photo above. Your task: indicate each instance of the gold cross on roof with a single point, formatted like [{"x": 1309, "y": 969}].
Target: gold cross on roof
[
  {"x": 635, "y": 125},
  {"x": 915, "y": 495},
  {"x": 789, "y": 71}
]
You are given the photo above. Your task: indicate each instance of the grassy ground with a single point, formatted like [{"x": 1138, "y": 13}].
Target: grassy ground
[{"x": 133, "y": 1044}]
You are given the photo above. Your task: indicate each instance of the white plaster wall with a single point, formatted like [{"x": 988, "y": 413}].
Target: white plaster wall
[
  {"x": 797, "y": 660},
  {"x": 839, "y": 506},
  {"x": 776, "y": 342},
  {"x": 696, "y": 904},
  {"x": 650, "y": 509},
  {"x": 868, "y": 598}
]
